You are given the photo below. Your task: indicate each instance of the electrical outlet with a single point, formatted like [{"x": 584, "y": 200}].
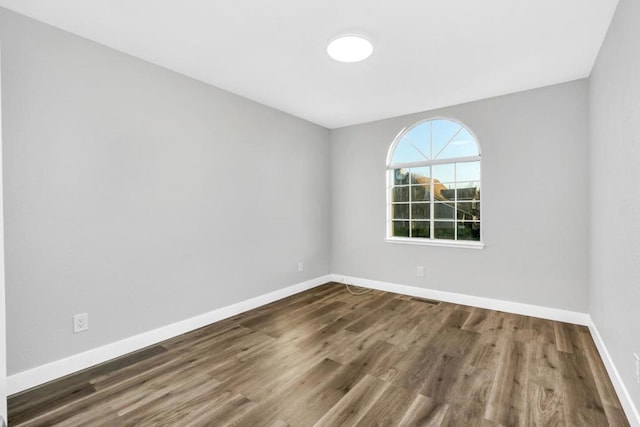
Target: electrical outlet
[
  {"x": 636, "y": 367},
  {"x": 80, "y": 322},
  {"x": 420, "y": 271},
  {"x": 300, "y": 266}
]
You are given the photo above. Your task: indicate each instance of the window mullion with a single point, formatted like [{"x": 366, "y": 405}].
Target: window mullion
[
  {"x": 410, "y": 204},
  {"x": 449, "y": 142},
  {"x": 433, "y": 205},
  {"x": 430, "y": 140},
  {"x": 431, "y": 197},
  {"x": 455, "y": 202}
]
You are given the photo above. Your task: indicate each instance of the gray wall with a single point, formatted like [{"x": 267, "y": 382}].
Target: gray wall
[
  {"x": 534, "y": 192},
  {"x": 614, "y": 118},
  {"x": 3, "y": 318},
  {"x": 141, "y": 196}
]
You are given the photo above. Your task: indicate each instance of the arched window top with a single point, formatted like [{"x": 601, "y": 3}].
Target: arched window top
[{"x": 433, "y": 141}]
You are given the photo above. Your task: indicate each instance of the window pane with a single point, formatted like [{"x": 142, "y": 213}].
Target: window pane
[
  {"x": 421, "y": 210},
  {"x": 462, "y": 145},
  {"x": 469, "y": 171},
  {"x": 420, "y": 229},
  {"x": 444, "y": 173},
  {"x": 468, "y": 211},
  {"x": 468, "y": 231},
  {"x": 401, "y": 176},
  {"x": 444, "y": 192},
  {"x": 400, "y": 194},
  {"x": 443, "y": 131},
  {"x": 406, "y": 153},
  {"x": 444, "y": 230},
  {"x": 400, "y": 211},
  {"x": 468, "y": 191},
  {"x": 443, "y": 211},
  {"x": 420, "y": 193},
  {"x": 400, "y": 228},
  {"x": 420, "y": 138},
  {"x": 420, "y": 175}
]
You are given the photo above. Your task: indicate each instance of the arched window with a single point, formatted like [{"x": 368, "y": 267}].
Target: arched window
[{"x": 433, "y": 185}]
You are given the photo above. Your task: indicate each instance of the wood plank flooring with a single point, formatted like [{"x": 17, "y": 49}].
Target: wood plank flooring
[{"x": 328, "y": 358}]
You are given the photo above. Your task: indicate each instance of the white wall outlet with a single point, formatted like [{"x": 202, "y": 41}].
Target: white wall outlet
[
  {"x": 300, "y": 266},
  {"x": 636, "y": 367},
  {"x": 420, "y": 271},
  {"x": 80, "y": 322}
]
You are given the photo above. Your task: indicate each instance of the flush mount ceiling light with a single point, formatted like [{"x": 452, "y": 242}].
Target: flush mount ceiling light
[{"x": 349, "y": 48}]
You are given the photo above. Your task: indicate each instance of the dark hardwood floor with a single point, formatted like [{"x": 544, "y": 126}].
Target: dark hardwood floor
[{"x": 328, "y": 358}]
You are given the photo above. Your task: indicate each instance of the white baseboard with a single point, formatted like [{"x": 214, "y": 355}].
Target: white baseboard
[
  {"x": 481, "y": 302},
  {"x": 578, "y": 318},
  {"x": 623, "y": 394},
  {"x": 51, "y": 371}
]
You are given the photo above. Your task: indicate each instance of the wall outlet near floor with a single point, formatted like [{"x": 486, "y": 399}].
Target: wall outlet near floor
[
  {"x": 80, "y": 322},
  {"x": 420, "y": 271},
  {"x": 636, "y": 367},
  {"x": 300, "y": 266}
]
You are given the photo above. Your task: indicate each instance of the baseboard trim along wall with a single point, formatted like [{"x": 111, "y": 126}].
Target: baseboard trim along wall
[
  {"x": 623, "y": 394},
  {"x": 481, "y": 302},
  {"x": 51, "y": 371},
  {"x": 517, "y": 308}
]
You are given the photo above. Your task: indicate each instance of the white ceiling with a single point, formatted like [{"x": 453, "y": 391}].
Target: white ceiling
[{"x": 428, "y": 54}]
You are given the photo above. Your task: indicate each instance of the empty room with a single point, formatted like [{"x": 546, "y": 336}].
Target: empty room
[{"x": 336, "y": 213}]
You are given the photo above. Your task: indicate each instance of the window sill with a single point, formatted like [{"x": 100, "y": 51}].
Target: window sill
[{"x": 429, "y": 242}]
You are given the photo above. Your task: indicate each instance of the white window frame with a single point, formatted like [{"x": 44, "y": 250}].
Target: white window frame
[{"x": 389, "y": 171}]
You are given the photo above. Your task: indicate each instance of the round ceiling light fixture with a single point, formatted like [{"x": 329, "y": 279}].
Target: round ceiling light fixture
[{"x": 349, "y": 48}]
